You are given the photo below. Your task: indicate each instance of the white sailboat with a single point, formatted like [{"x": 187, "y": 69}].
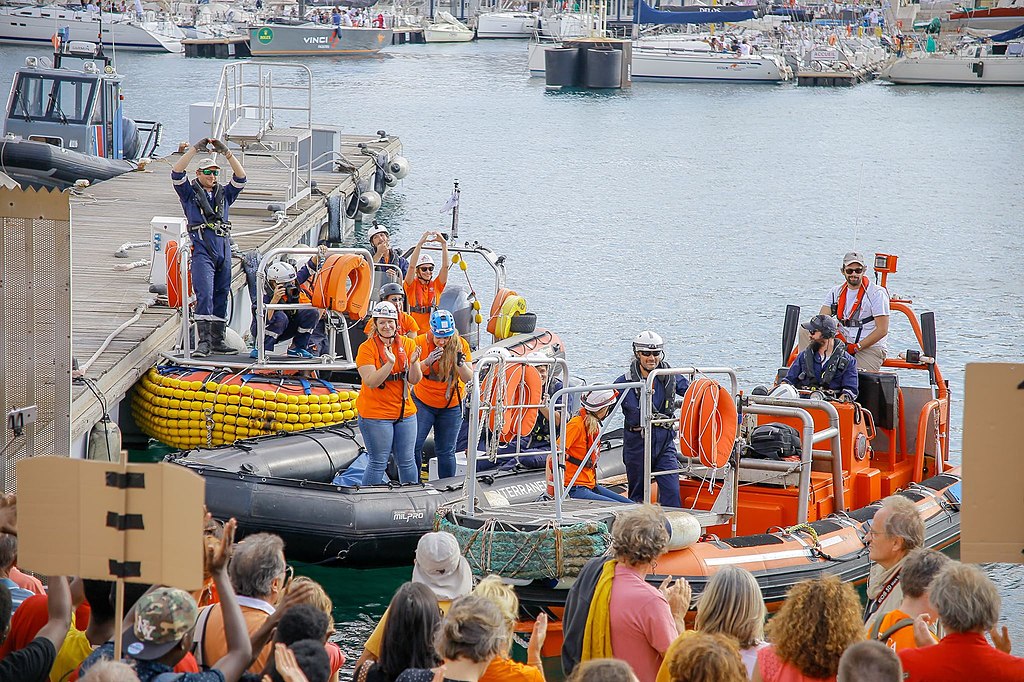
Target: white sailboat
[
  {"x": 447, "y": 29},
  {"x": 506, "y": 24},
  {"x": 36, "y": 25},
  {"x": 973, "y": 64}
]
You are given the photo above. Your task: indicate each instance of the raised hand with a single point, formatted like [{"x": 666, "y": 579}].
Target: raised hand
[
  {"x": 678, "y": 595},
  {"x": 287, "y": 667},
  {"x": 200, "y": 146},
  {"x": 537, "y": 637},
  {"x": 922, "y": 635},
  {"x": 9, "y": 514},
  {"x": 1001, "y": 640},
  {"x": 217, "y": 555},
  {"x": 219, "y": 146},
  {"x": 389, "y": 355},
  {"x": 415, "y": 354},
  {"x": 434, "y": 356}
]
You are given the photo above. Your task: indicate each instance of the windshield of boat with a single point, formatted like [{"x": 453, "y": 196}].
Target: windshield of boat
[{"x": 51, "y": 98}]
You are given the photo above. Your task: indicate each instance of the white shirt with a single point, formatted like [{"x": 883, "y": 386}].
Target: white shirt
[
  {"x": 874, "y": 304},
  {"x": 744, "y": 50}
]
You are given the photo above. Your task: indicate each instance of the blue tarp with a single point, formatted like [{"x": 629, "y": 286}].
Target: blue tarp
[
  {"x": 645, "y": 14},
  {"x": 1012, "y": 34}
]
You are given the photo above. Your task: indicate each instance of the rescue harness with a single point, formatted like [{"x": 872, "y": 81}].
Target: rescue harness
[
  {"x": 854, "y": 320},
  {"x": 836, "y": 363},
  {"x": 213, "y": 213}
]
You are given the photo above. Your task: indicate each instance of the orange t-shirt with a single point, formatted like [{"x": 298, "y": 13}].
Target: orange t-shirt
[
  {"x": 577, "y": 445},
  {"x": 902, "y": 639},
  {"x": 405, "y": 324},
  {"x": 503, "y": 669},
  {"x": 385, "y": 401},
  {"x": 215, "y": 645},
  {"x": 422, "y": 298},
  {"x": 431, "y": 391}
]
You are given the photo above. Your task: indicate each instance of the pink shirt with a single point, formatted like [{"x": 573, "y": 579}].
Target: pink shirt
[
  {"x": 641, "y": 623},
  {"x": 774, "y": 669}
]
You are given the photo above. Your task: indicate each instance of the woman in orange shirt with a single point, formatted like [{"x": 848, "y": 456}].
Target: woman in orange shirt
[
  {"x": 446, "y": 367},
  {"x": 393, "y": 293},
  {"x": 388, "y": 365},
  {"x": 422, "y": 289},
  {"x": 580, "y": 439}
]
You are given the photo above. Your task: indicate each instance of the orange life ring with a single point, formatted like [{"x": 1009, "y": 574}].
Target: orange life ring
[
  {"x": 175, "y": 290},
  {"x": 707, "y": 423},
  {"x": 499, "y": 300},
  {"x": 522, "y": 386},
  {"x": 344, "y": 285}
]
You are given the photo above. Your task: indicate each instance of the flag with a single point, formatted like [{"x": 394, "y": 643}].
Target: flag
[{"x": 453, "y": 202}]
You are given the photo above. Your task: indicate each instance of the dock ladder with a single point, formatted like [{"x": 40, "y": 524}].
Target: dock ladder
[{"x": 266, "y": 110}]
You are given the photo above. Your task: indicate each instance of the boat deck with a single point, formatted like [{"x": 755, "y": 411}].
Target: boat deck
[{"x": 104, "y": 300}]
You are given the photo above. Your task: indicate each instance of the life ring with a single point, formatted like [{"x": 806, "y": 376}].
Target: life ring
[
  {"x": 175, "y": 290},
  {"x": 344, "y": 285},
  {"x": 521, "y": 386},
  {"x": 499, "y": 300},
  {"x": 513, "y": 305},
  {"x": 707, "y": 423}
]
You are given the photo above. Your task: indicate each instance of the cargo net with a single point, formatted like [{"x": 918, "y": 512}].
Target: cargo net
[{"x": 533, "y": 553}]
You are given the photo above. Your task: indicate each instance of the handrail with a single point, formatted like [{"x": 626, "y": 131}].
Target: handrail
[{"x": 922, "y": 427}]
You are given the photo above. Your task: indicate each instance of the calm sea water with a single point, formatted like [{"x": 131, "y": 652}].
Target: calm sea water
[{"x": 699, "y": 211}]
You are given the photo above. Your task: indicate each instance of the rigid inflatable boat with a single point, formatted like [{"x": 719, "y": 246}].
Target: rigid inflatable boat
[{"x": 785, "y": 519}]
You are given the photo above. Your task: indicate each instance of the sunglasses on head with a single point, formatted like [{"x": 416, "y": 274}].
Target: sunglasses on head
[
  {"x": 649, "y": 353},
  {"x": 210, "y": 171},
  {"x": 854, "y": 271}
]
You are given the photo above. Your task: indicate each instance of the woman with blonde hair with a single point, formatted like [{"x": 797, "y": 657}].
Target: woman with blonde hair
[
  {"x": 317, "y": 597},
  {"x": 818, "y": 621},
  {"x": 446, "y": 367},
  {"x": 731, "y": 604},
  {"x": 503, "y": 668},
  {"x": 582, "y": 449}
]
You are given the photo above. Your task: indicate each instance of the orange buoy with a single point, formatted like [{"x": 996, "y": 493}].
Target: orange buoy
[
  {"x": 175, "y": 290},
  {"x": 496, "y": 304},
  {"x": 518, "y": 386},
  {"x": 344, "y": 285},
  {"x": 707, "y": 423}
]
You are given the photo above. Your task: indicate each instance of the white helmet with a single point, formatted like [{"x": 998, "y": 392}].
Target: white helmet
[
  {"x": 595, "y": 400},
  {"x": 499, "y": 352},
  {"x": 375, "y": 230},
  {"x": 281, "y": 272},
  {"x": 648, "y": 340},
  {"x": 425, "y": 259},
  {"x": 386, "y": 310},
  {"x": 538, "y": 356}
]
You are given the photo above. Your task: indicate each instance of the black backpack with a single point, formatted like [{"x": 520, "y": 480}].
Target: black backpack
[{"x": 773, "y": 441}]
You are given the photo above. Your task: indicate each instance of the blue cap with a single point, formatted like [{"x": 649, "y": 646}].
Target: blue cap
[{"x": 442, "y": 323}]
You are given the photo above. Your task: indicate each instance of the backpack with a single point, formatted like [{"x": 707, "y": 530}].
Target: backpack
[
  {"x": 773, "y": 441},
  {"x": 883, "y": 637}
]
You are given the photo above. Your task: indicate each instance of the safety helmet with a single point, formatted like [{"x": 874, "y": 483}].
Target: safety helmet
[
  {"x": 281, "y": 272},
  {"x": 442, "y": 324},
  {"x": 595, "y": 400},
  {"x": 538, "y": 356},
  {"x": 826, "y": 324},
  {"x": 648, "y": 340},
  {"x": 499, "y": 352},
  {"x": 425, "y": 259},
  {"x": 385, "y": 310},
  {"x": 375, "y": 230},
  {"x": 391, "y": 289}
]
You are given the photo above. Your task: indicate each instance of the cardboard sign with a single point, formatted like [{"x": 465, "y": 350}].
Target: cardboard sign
[
  {"x": 104, "y": 520},
  {"x": 993, "y": 464}
]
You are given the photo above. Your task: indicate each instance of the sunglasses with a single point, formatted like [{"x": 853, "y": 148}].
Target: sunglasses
[
  {"x": 854, "y": 271},
  {"x": 210, "y": 171},
  {"x": 427, "y": 268},
  {"x": 289, "y": 573},
  {"x": 649, "y": 353}
]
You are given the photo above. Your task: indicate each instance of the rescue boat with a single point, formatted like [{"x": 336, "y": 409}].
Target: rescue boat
[{"x": 784, "y": 520}]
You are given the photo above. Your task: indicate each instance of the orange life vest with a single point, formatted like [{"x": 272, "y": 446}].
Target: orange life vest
[{"x": 852, "y": 320}]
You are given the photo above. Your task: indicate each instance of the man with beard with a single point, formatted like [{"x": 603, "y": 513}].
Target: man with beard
[
  {"x": 383, "y": 252},
  {"x": 862, "y": 309},
  {"x": 824, "y": 364},
  {"x": 648, "y": 355}
]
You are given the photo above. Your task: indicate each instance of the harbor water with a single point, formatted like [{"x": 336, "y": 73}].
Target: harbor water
[{"x": 695, "y": 210}]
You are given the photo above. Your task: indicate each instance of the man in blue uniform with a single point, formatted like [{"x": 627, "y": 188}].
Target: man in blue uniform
[
  {"x": 648, "y": 355},
  {"x": 824, "y": 364},
  {"x": 206, "y": 202},
  {"x": 286, "y": 285}
]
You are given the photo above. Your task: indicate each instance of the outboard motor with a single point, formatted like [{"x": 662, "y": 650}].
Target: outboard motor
[{"x": 455, "y": 299}]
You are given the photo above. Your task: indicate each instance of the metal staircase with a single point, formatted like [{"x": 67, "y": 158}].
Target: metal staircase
[{"x": 265, "y": 109}]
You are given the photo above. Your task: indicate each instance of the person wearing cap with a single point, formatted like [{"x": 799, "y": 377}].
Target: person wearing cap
[
  {"x": 446, "y": 366},
  {"x": 388, "y": 365},
  {"x": 422, "y": 289},
  {"x": 439, "y": 565},
  {"x": 583, "y": 447},
  {"x": 383, "y": 253},
  {"x": 165, "y": 619},
  {"x": 285, "y": 284},
  {"x": 649, "y": 355},
  {"x": 206, "y": 203},
  {"x": 824, "y": 364},
  {"x": 393, "y": 293},
  {"x": 862, "y": 309}
]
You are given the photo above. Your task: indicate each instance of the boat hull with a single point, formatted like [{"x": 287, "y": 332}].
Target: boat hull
[
  {"x": 41, "y": 165},
  {"x": 438, "y": 33},
  {"x": 936, "y": 69},
  {"x": 506, "y": 25},
  {"x": 990, "y": 19},
  {"x": 318, "y": 41},
  {"x": 36, "y": 26}
]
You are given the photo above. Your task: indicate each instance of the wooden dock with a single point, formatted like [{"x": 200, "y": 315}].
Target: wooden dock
[
  {"x": 228, "y": 47},
  {"x": 119, "y": 211}
]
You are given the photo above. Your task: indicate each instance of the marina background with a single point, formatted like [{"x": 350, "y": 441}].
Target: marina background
[{"x": 697, "y": 210}]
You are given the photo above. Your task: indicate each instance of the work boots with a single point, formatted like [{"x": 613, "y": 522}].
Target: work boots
[
  {"x": 203, "y": 346},
  {"x": 217, "y": 342}
]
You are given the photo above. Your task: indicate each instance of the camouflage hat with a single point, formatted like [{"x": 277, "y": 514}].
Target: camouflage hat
[{"x": 162, "y": 618}]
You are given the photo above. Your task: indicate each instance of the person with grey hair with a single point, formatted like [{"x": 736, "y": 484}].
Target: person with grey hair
[
  {"x": 260, "y": 574},
  {"x": 110, "y": 671},
  {"x": 8, "y": 557},
  {"x": 968, "y": 606},
  {"x": 869, "y": 662},
  {"x": 471, "y": 634},
  {"x": 894, "y": 532},
  {"x": 896, "y": 628}
]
